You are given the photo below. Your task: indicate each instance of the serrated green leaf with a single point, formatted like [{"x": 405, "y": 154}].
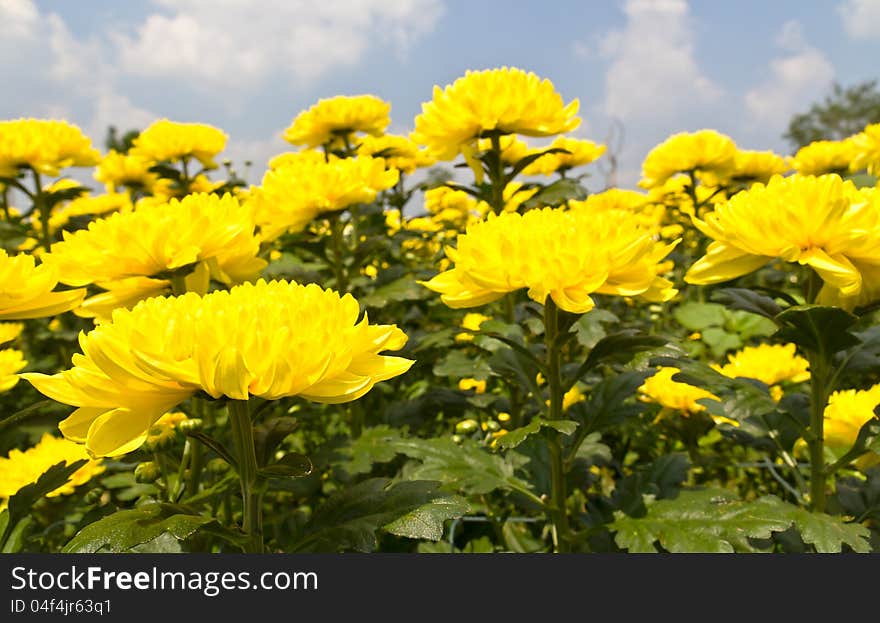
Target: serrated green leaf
[
  {"x": 695, "y": 316},
  {"x": 714, "y": 520},
  {"x": 516, "y": 436},
  {"x": 618, "y": 347},
  {"x": 746, "y": 300},
  {"x": 126, "y": 529},
  {"x": 351, "y": 517},
  {"x": 817, "y": 329},
  {"x": 557, "y": 193},
  {"x": 404, "y": 289},
  {"x": 291, "y": 465},
  {"x": 457, "y": 364},
  {"x": 375, "y": 445},
  {"x": 427, "y": 521}
]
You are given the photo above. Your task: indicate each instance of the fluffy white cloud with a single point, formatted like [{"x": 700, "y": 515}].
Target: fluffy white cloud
[
  {"x": 861, "y": 18},
  {"x": 238, "y": 42},
  {"x": 796, "y": 79},
  {"x": 652, "y": 71},
  {"x": 19, "y": 18}
]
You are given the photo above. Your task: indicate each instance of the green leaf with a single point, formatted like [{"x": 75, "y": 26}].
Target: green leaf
[
  {"x": 291, "y": 465},
  {"x": 350, "y": 518},
  {"x": 695, "y": 316},
  {"x": 467, "y": 466},
  {"x": 20, "y": 504},
  {"x": 817, "y": 329},
  {"x": 720, "y": 341},
  {"x": 517, "y": 369},
  {"x": 556, "y": 194},
  {"x": 522, "y": 163},
  {"x": 749, "y": 301},
  {"x": 518, "y": 435},
  {"x": 268, "y": 434},
  {"x": 715, "y": 521},
  {"x": 457, "y": 364},
  {"x": 610, "y": 401},
  {"x": 124, "y": 530},
  {"x": 404, "y": 289},
  {"x": 618, "y": 348},
  {"x": 375, "y": 445},
  {"x": 589, "y": 327}
]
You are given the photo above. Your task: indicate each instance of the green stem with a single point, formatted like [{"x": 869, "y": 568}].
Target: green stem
[
  {"x": 251, "y": 493},
  {"x": 43, "y": 209},
  {"x": 819, "y": 391},
  {"x": 336, "y": 229},
  {"x": 812, "y": 287},
  {"x": 496, "y": 176},
  {"x": 4, "y": 200},
  {"x": 558, "y": 493},
  {"x": 197, "y": 456}
]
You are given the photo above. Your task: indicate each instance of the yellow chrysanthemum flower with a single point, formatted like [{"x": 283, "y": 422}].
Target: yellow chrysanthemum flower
[
  {"x": 10, "y": 331},
  {"x": 567, "y": 255},
  {"x": 581, "y": 152},
  {"x": 650, "y": 214},
  {"x": 503, "y": 101},
  {"x": 19, "y": 469},
  {"x": 704, "y": 151},
  {"x": 398, "y": 151},
  {"x": 129, "y": 170},
  {"x": 118, "y": 252},
  {"x": 675, "y": 395},
  {"x": 471, "y": 322},
  {"x": 513, "y": 149},
  {"x": 339, "y": 116},
  {"x": 84, "y": 206},
  {"x": 26, "y": 289},
  {"x": 167, "y": 141},
  {"x": 751, "y": 166},
  {"x": 46, "y": 145},
  {"x": 164, "y": 430},
  {"x": 572, "y": 397},
  {"x": 821, "y": 157},
  {"x": 769, "y": 363},
  {"x": 292, "y": 195},
  {"x": 866, "y": 150},
  {"x": 479, "y": 387},
  {"x": 452, "y": 207},
  {"x": 822, "y": 222},
  {"x": 847, "y": 411},
  {"x": 270, "y": 340},
  {"x": 11, "y": 362}
]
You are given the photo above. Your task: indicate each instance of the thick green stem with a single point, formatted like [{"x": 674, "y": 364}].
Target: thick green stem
[
  {"x": 197, "y": 453},
  {"x": 336, "y": 227},
  {"x": 43, "y": 210},
  {"x": 251, "y": 492},
  {"x": 819, "y": 391},
  {"x": 558, "y": 493}
]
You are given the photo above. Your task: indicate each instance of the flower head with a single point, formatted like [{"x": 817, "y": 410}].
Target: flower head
[
  {"x": 130, "y": 170},
  {"x": 580, "y": 152},
  {"x": 294, "y": 194},
  {"x": 23, "y": 468},
  {"x": 703, "y": 151},
  {"x": 339, "y": 116},
  {"x": 757, "y": 166},
  {"x": 866, "y": 150},
  {"x": 11, "y": 362},
  {"x": 26, "y": 290},
  {"x": 847, "y": 411},
  {"x": 167, "y": 141},
  {"x": 269, "y": 340},
  {"x": 567, "y": 255},
  {"x": 46, "y": 145},
  {"x": 398, "y": 151},
  {"x": 504, "y": 101},
  {"x": 821, "y": 157},
  {"x": 769, "y": 363},
  {"x": 10, "y": 331},
  {"x": 471, "y": 322},
  {"x": 822, "y": 222},
  {"x": 660, "y": 388}
]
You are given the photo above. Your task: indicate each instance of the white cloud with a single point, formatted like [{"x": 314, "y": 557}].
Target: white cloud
[
  {"x": 861, "y": 18},
  {"x": 796, "y": 78},
  {"x": 652, "y": 71},
  {"x": 231, "y": 42},
  {"x": 18, "y": 19}
]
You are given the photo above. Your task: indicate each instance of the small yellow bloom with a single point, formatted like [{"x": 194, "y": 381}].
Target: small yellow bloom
[
  {"x": 821, "y": 157},
  {"x": 399, "y": 152},
  {"x": 571, "y": 397},
  {"x": 847, "y": 411},
  {"x": 749, "y": 166},
  {"x": 11, "y": 362},
  {"x": 164, "y": 430},
  {"x": 505, "y": 100},
  {"x": 292, "y": 195},
  {"x": 168, "y": 141},
  {"x": 567, "y": 255},
  {"x": 46, "y": 145},
  {"x": 131, "y": 171},
  {"x": 270, "y": 340},
  {"x": 702, "y": 151},
  {"x": 769, "y": 363},
  {"x": 660, "y": 388},
  {"x": 581, "y": 152},
  {"x": 866, "y": 150},
  {"x": 21, "y": 468},
  {"x": 26, "y": 289},
  {"x": 339, "y": 116},
  {"x": 10, "y": 331},
  {"x": 503, "y": 417},
  {"x": 479, "y": 387}
]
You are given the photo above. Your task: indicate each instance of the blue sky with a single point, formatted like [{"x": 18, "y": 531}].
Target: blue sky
[{"x": 248, "y": 66}]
